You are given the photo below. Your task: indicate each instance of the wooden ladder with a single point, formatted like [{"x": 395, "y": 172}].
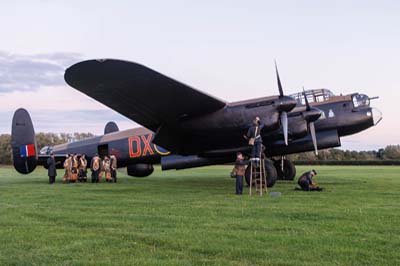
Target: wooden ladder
[{"x": 258, "y": 175}]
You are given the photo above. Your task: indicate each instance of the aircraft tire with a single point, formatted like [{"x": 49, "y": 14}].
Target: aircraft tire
[
  {"x": 270, "y": 171},
  {"x": 289, "y": 170}
]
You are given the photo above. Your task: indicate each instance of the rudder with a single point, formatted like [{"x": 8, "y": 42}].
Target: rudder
[
  {"x": 23, "y": 142},
  {"x": 111, "y": 127}
]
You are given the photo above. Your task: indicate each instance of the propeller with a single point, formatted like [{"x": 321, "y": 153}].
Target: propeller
[
  {"x": 283, "y": 114},
  {"x": 311, "y": 125}
]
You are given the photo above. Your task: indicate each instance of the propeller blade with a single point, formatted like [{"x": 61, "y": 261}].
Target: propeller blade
[
  {"x": 314, "y": 137},
  {"x": 284, "y": 121},
  {"x": 279, "y": 81},
  {"x": 306, "y": 100}
]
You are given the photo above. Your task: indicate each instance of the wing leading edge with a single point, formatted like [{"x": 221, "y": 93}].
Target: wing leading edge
[{"x": 139, "y": 93}]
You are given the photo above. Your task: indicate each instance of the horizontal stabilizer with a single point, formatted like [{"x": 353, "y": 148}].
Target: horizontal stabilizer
[{"x": 23, "y": 142}]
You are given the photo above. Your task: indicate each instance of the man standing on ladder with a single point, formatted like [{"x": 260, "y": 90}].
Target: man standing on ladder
[
  {"x": 255, "y": 140},
  {"x": 257, "y": 169}
]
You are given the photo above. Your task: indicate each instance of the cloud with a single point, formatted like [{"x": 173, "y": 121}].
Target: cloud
[
  {"x": 60, "y": 121},
  {"x": 31, "y": 72},
  {"x": 36, "y": 82}
]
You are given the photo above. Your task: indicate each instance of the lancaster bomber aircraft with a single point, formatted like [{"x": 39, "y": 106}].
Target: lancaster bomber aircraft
[{"x": 185, "y": 128}]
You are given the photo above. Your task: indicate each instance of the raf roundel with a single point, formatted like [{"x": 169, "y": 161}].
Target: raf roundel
[{"x": 27, "y": 150}]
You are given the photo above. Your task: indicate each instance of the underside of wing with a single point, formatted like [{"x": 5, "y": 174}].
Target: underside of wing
[{"x": 139, "y": 93}]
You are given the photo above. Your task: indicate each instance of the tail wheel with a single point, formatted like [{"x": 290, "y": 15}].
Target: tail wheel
[
  {"x": 289, "y": 170},
  {"x": 269, "y": 170}
]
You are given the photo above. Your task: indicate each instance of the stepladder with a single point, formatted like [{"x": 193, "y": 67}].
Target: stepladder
[{"x": 258, "y": 177}]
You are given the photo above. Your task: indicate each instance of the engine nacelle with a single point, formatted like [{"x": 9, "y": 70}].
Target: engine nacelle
[
  {"x": 325, "y": 139},
  {"x": 139, "y": 170}
]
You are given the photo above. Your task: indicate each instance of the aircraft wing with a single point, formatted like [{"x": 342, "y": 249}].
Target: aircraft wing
[{"x": 139, "y": 93}]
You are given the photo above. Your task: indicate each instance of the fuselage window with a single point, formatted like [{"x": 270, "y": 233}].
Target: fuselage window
[{"x": 319, "y": 98}]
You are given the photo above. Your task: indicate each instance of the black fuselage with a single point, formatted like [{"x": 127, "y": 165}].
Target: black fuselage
[{"x": 217, "y": 136}]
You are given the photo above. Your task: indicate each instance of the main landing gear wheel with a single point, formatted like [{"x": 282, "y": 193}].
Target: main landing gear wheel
[
  {"x": 269, "y": 170},
  {"x": 289, "y": 170}
]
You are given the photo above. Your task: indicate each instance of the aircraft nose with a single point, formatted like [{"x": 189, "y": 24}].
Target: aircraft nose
[{"x": 376, "y": 115}]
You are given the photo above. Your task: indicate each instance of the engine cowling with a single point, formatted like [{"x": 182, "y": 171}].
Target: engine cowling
[{"x": 139, "y": 170}]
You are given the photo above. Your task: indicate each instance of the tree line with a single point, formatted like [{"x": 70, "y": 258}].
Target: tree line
[
  {"x": 42, "y": 139},
  {"x": 391, "y": 152}
]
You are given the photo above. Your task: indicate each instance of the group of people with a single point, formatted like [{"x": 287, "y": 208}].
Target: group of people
[
  {"x": 75, "y": 167},
  {"x": 107, "y": 167},
  {"x": 254, "y": 139}
]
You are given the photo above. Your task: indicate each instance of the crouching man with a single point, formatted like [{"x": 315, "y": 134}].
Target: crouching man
[{"x": 307, "y": 183}]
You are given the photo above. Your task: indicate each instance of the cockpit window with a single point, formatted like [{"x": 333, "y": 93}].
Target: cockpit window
[
  {"x": 45, "y": 150},
  {"x": 319, "y": 95},
  {"x": 360, "y": 100}
]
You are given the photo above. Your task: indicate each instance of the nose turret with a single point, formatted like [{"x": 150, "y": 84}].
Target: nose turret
[{"x": 376, "y": 115}]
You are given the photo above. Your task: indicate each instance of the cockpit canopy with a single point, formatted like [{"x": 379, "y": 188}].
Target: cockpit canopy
[
  {"x": 318, "y": 95},
  {"x": 46, "y": 150}
]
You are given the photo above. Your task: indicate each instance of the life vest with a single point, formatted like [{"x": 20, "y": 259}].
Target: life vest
[
  {"x": 96, "y": 164},
  {"x": 82, "y": 163},
  {"x": 68, "y": 164},
  {"x": 75, "y": 162},
  {"x": 113, "y": 162},
  {"x": 106, "y": 165}
]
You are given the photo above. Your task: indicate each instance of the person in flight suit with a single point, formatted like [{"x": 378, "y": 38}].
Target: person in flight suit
[
  {"x": 239, "y": 172},
  {"x": 67, "y": 166},
  {"x": 82, "y": 169},
  {"x": 74, "y": 168},
  {"x": 107, "y": 169},
  {"x": 254, "y": 137},
  {"x": 113, "y": 163},
  {"x": 51, "y": 170},
  {"x": 95, "y": 168}
]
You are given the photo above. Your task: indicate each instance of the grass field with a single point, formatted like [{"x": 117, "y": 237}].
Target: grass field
[{"x": 192, "y": 217}]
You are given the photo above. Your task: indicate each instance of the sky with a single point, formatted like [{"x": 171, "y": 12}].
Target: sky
[{"x": 224, "y": 48}]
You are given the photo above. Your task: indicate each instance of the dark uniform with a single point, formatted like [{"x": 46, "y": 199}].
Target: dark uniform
[
  {"x": 255, "y": 132},
  {"x": 305, "y": 181},
  {"x": 240, "y": 170},
  {"x": 51, "y": 171}
]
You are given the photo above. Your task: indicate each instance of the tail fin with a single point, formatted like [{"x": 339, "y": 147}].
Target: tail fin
[
  {"x": 23, "y": 142},
  {"x": 111, "y": 127}
]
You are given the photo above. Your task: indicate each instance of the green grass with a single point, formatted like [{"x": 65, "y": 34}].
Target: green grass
[{"x": 192, "y": 217}]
